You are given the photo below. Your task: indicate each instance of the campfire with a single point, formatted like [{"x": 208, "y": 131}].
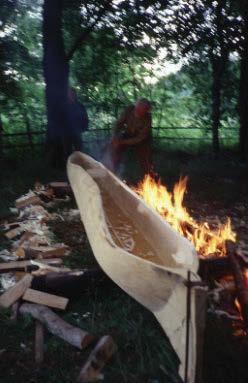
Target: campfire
[{"x": 207, "y": 241}]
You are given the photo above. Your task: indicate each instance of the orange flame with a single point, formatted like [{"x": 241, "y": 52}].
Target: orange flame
[{"x": 170, "y": 206}]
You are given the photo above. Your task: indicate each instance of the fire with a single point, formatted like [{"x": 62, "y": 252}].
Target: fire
[{"x": 170, "y": 206}]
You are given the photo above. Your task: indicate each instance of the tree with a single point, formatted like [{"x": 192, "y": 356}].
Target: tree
[
  {"x": 126, "y": 19},
  {"x": 206, "y": 30},
  {"x": 243, "y": 91}
]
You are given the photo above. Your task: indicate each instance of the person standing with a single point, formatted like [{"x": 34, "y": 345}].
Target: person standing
[
  {"x": 78, "y": 122},
  {"x": 133, "y": 130}
]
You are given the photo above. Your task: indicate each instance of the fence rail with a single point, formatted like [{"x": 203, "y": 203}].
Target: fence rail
[{"x": 94, "y": 135}]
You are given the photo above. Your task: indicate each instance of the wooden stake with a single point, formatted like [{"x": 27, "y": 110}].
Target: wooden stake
[
  {"x": 57, "y": 326},
  {"x": 39, "y": 342},
  {"x": 103, "y": 351}
]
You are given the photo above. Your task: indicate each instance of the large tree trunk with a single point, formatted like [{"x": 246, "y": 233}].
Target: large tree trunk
[
  {"x": 243, "y": 91},
  {"x": 218, "y": 62},
  {"x": 216, "y": 105},
  {"x": 56, "y": 72}
]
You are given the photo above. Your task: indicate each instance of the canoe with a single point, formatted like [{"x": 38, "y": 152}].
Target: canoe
[{"x": 139, "y": 251}]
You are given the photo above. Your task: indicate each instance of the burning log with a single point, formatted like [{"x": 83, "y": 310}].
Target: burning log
[
  {"x": 57, "y": 326},
  {"x": 240, "y": 281},
  {"x": 103, "y": 351}
]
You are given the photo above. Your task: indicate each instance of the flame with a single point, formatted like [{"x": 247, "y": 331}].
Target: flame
[
  {"x": 237, "y": 304},
  {"x": 170, "y": 206}
]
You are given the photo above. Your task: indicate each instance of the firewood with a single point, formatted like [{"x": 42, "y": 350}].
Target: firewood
[
  {"x": 46, "y": 251},
  {"x": 57, "y": 326},
  {"x": 44, "y": 269},
  {"x": 69, "y": 284},
  {"x": 60, "y": 189},
  {"x": 240, "y": 281},
  {"x": 6, "y": 267},
  {"x": 214, "y": 268},
  {"x": 13, "y": 233},
  {"x": 25, "y": 237},
  {"x": 45, "y": 299},
  {"x": 39, "y": 342},
  {"x": 28, "y": 200},
  {"x": 15, "y": 292},
  {"x": 103, "y": 351}
]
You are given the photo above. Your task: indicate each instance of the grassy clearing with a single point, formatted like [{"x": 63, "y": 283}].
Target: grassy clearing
[{"x": 144, "y": 354}]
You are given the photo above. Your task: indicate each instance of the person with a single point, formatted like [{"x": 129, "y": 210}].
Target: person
[
  {"x": 78, "y": 122},
  {"x": 133, "y": 130}
]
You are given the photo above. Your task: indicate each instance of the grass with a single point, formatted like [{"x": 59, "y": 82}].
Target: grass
[{"x": 144, "y": 354}]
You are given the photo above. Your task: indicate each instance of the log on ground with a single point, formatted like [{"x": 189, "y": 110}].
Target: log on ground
[{"x": 57, "y": 326}]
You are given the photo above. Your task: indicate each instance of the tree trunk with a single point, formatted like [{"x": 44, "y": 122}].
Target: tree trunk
[
  {"x": 216, "y": 104},
  {"x": 243, "y": 91},
  {"x": 56, "y": 72}
]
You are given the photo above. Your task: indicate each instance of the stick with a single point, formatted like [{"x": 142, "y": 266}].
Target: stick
[
  {"x": 57, "y": 326},
  {"x": 103, "y": 351}
]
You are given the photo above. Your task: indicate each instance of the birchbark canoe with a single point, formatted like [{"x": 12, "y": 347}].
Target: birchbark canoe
[{"x": 138, "y": 250}]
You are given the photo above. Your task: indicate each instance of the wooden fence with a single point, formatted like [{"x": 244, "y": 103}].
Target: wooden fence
[{"x": 31, "y": 138}]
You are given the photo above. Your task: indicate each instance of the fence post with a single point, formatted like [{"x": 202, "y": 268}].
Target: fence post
[
  {"x": 29, "y": 133},
  {"x": 1, "y": 138}
]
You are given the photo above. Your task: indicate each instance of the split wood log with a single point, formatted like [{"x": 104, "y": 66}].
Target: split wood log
[
  {"x": 60, "y": 189},
  {"x": 39, "y": 342},
  {"x": 13, "y": 233},
  {"x": 6, "y": 267},
  {"x": 25, "y": 237},
  {"x": 69, "y": 284},
  {"x": 45, "y": 299},
  {"x": 103, "y": 351},
  {"x": 15, "y": 292},
  {"x": 240, "y": 281},
  {"x": 59, "y": 250},
  {"x": 28, "y": 200},
  {"x": 57, "y": 326}
]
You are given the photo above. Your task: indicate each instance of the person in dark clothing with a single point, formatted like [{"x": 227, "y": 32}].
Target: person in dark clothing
[
  {"x": 133, "y": 130},
  {"x": 78, "y": 122}
]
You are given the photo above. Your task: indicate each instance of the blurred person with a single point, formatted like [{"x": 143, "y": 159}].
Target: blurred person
[
  {"x": 133, "y": 130},
  {"x": 78, "y": 122}
]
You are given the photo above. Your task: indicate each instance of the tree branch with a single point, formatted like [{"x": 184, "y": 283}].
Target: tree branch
[{"x": 86, "y": 32}]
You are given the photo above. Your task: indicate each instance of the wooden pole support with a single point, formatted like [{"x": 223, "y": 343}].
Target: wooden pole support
[
  {"x": 240, "y": 281},
  {"x": 39, "y": 342},
  {"x": 103, "y": 351}
]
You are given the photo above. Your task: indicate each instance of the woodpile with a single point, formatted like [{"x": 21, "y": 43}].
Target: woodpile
[{"x": 45, "y": 283}]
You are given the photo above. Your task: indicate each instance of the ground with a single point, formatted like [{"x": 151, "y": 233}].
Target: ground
[{"x": 217, "y": 188}]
